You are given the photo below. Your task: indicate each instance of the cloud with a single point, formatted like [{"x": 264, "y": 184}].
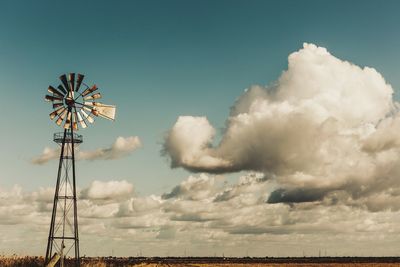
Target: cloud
[
  {"x": 194, "y": 188},
  {"x": 189, "y": 144},
  {"x": 248, "y": 186},
  {"x": 325, "y": 128},
  {"x": 296, "y": 195},
  {"x": 107, "y": 190},
  {"x": 47, "y": 155},
  {"x": 122, "y": 147},
  {"x": 111, "y": 213}
]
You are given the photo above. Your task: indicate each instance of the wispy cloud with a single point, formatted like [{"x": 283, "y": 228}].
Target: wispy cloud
[
  {"x": 47, "y": 155},
  {"x": 122, "y": 147}
]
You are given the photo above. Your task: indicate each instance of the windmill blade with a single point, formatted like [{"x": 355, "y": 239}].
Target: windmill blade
[
  {"x": 61, "y": 110},
  {"x": 87, "y": 116},
  {"x": 49, "y": 98},
  {"x": 54, "y": 91},
  {"x": 78, "y": 114},
  {"x": 67, "y": 124},
  {"x": 59, "y": 121},
  {"x": 80, "y": 120},
  {"x": 63, "y": 114},
  {"x": 52, "y": 115},
  {"x": 56, "y": 105},
  {"x": 89, "y": 90},
  {"x": 56, "y": 112},
  {"x": 95, "y": 96},
  {"x": 71, "y": 79},
  {"x": 106, "y": 111},
  {"x": 87, "y": 108},
  {"x": 89, "y": 103},
  {"x": 74, "y": 121},
  {"x": 91, "y": 110},
  {"x": 94, "y": 104},
  {"x": 62, "y": 89},
  {"x": 79, "y": 81},
  {"x": 75, "y": 117},
  {"x": 71, "y": 94},
  {"x": 83, "y": 124},
  {"x": 64, "y": 81}
]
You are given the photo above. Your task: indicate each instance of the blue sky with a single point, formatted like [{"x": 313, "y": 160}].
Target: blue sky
[{"x": 158, "y": 60}]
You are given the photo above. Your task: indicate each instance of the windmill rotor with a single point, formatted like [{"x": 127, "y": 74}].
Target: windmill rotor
[{"x": 74, "y": 103}]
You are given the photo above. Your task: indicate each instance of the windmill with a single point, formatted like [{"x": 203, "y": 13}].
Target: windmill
[{"x": 74, "y": 104}]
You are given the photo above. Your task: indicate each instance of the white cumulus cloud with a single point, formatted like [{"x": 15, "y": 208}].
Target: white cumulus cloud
[{"x": 326, "y": 126}]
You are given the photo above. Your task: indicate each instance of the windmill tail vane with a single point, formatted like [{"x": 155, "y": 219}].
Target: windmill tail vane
[{"x": 74, "y": 106}]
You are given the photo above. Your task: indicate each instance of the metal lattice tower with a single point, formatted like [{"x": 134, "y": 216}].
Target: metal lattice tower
[
  {"x": 70, "y": 108},
  {"x": 63, "y": 234}
]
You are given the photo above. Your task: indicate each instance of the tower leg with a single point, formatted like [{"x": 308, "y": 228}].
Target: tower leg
[{"x": 77, "y": 257}]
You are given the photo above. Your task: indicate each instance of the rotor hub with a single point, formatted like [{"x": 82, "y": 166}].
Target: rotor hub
[{"x": 69, "y": 101}]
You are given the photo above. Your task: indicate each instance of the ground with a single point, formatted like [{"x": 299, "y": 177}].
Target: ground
[{"x": 11, "y": 261}]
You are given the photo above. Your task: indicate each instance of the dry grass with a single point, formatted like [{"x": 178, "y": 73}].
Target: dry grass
[
  {"x": 16, "y": 261},
  {"x": 253, "y": 265}
]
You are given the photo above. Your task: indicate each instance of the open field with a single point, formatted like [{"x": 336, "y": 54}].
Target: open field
[{"x": 208, "y": 262}]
